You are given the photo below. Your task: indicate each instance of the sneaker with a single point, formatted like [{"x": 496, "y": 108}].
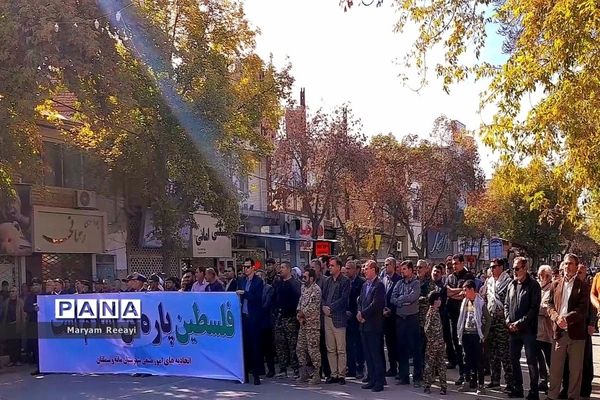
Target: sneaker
[
  {"x": 282, "y": 374},
  {"x": 331, "y": 380},
  {"x": 417, "y": 384},
  {"x": 460, "y": 381},
  {"x": 464, "y": 388},
  {"x": 342, "y": 381}
]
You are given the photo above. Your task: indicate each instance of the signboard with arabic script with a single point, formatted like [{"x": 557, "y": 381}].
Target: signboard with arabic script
[
  {"x": 209, "y": 239},
  {"x": 65, "y": 230},
  {"x": 178, "y": 334}
]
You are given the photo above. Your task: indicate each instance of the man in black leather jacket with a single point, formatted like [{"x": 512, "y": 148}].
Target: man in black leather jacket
[{"x": 521, "y": 309}]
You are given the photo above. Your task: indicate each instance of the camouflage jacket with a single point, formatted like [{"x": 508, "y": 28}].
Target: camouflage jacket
[
  {"x": 433, "y": 327},
  {"x": 310, "y": 304},
  {"x": 427, "y": 287}
]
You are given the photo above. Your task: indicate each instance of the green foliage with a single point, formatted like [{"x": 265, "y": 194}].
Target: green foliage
[
  {"x": 544, "y": 89},
  {"x": 158, "y": 101}
]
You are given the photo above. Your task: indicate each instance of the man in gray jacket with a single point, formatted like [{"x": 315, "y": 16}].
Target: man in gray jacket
[{"x": 406, "y": 299}]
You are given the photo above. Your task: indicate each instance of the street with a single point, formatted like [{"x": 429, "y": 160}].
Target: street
[{"x": 17, "y": 384}]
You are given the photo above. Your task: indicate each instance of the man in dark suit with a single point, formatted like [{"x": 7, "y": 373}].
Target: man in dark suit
[
  {"x": 251, "y": 295},
  {"x": 354, "y": 350},
  {"x": 231, "y": 279},
  {"x": 568, "y": 309},
  {"x": 389, "y": 279},
  {"x": 266, "y": 329},
  {"x": 370, "y": 315}
]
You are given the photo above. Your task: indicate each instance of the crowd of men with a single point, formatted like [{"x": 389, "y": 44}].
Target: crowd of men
[{"x": 336, "y": 320}]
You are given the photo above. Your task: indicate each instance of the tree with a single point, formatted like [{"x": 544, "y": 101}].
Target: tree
[
  {"x": 543, "y": 88},
  {"x": 515, "y": 206},
  {"x": 421, "y": 182},
  {"x": 165, "y": 91},
  {"x": 312, "y": 159}
]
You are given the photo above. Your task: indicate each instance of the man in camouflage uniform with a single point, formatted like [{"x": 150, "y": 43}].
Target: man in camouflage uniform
[
  {"x": 309, "y": 316},
  {"x": 427, "y": 286},
  {"x": 434, "y": 354},
  {"x": 496, "y": 288}
]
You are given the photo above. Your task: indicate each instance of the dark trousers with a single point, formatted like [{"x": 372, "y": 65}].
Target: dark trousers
[
  {"x": 252, "y": 354},
  {"x": 407, "y": 334},
  {"x": 389, "y": 332},
  {"x": 450, "y": 354},
  {"x": 13, "y": 343},
  {"x": 373, "y": 344},
  {"x": 266, "y": 344},
  {"x": 458, "y": 350},
  {"x": 517, "y": 342},
  {"x": 323, "y": 350},
  {"x": 544, "y": 355},
  {"x": 587, "y": 375},
  {"x": 474, "y": 370},
  {"x": 355, "y": 359}
]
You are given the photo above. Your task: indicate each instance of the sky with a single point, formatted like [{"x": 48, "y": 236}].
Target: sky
[{"x": 354, "y": 57}]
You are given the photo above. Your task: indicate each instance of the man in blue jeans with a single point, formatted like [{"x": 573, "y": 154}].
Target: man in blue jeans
[{"x": 521, "y": 310}]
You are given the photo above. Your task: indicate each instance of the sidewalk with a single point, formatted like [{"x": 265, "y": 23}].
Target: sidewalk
[{"x": 17, "y": 384}]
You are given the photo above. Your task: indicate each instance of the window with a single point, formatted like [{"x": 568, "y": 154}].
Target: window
[{"x": 65, "y": 166}]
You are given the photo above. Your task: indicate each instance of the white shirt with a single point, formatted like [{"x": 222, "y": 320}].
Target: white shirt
[
  {"x": 199, "y": 287},
  {"x": 566, "y": 294}
]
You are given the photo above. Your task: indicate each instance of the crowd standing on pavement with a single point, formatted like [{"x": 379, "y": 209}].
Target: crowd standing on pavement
[{"x": 334, "y": 320}]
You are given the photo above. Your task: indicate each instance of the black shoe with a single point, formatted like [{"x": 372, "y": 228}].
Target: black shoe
[
  {"x": 331, "y": 380},
  {"x": 359, "y": 376},
  {"x": 342, "y": 381},
  {"x": 36, "y": 373},
  {"x": 492, "y": 385},
  {"x": 516, "y": 394},
  {"x": 270, "y": 374},
  {"x": 377, "y": 389},
  {"x": 543, "y": 386},
  {"x": 460, "y": 381},
  {"x": 365, "y": 379},
  {"x": 256, "y": 380},
  {"x": 533, "y": 396},
  {"x": 403, "y": 382},
  {"x": 390, "y": 373},
  {"x": 350, "y": 374},
  {"x": 450, "y": 365},
  {"x": 368, "y": 386},
  {"x": 473, "y": 384}
]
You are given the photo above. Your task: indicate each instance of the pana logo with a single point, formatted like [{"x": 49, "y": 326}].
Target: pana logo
[{"x": 97, "y": 309}]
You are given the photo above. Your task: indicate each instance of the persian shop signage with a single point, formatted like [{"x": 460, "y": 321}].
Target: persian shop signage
[
  {"x": 209, "y": 239},
  {"x": 61, "y": 230}
]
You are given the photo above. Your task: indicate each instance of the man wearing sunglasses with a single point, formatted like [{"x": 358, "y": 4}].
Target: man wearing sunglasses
[{"x": 521, "y": 310}]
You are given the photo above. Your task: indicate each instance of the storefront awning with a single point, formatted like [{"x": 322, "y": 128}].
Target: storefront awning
[{"x": 284, "y": 237}]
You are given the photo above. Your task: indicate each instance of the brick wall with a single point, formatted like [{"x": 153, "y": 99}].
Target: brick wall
[{"x": 53, "y": 197}]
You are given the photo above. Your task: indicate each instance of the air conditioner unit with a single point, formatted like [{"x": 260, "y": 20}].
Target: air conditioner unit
[{"x": 86, "y": 199}]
